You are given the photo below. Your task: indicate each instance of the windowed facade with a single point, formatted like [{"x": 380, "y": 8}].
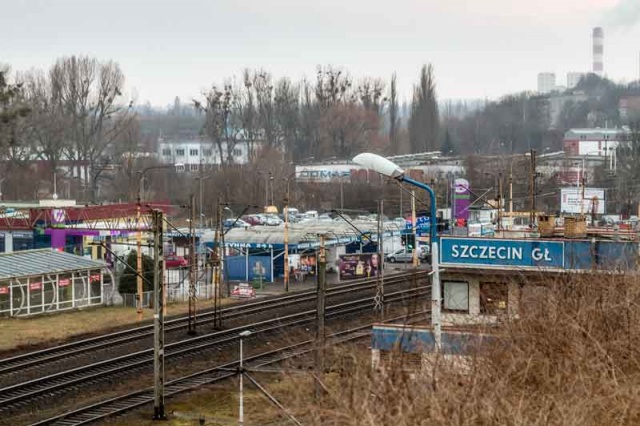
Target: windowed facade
[
  {"x": 193, "y": 152},
  {"x": 166, "y": 152},
  {"x": 194, "y": 167},
  {"x": 180, "y": 152},
  {"x": 456, "y": 296},
  {"x": 237, "y": 152},
  {"x": 208, "y": 152}
]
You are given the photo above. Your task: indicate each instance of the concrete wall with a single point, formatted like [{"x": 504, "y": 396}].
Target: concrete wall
[{"x": 473, "y": 316}]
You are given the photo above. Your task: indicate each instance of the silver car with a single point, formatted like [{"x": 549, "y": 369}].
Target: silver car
[{"x": 406, "y": 255}]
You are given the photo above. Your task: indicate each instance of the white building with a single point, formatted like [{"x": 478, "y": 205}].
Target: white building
[
  {"x": 593, "y": 142},
  {"x": 191, "y": 154},
  {"x": 546, "y": 82}
]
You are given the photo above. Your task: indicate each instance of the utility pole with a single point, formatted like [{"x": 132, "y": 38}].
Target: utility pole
[
  {"x": 320, "y": 315},
  {"x": 379, "y": 299},
  {"x": 193, "y": 264},
  {"x": 500, "y": 201},
  {"x": 532, "y": 189},
  {"x": 286, "y": 241},
  {"x": 413, "y": 228},
  {"x": 216, "y": 270},
  {"x": 201, "y": 214},
  {"x": 139, "y": 258},
  {"x": 158, "y": 318}
]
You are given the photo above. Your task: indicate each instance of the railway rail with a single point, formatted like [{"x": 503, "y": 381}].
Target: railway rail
[
  {"x": 21, "y": 394},
  {"x": 37, "y": 358},
  {"x": 119, "y": 405}
]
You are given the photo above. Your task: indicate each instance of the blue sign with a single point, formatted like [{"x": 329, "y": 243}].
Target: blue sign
[
  {"x": 498, "y": 252},
  {"x": 423, "y": 223}
]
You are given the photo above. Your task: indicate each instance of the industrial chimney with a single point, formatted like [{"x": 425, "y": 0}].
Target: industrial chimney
[{"x": 598, "y": 50}]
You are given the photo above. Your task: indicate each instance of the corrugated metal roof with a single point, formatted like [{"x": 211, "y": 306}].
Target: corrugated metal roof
[
  {"x": 300, "y": 233},
  {"x": 43, "y": 261}
]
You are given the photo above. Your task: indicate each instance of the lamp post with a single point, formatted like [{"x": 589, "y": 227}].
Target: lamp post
[
  {"x": 286, "y": 234},
  {"x": 242, "y": 335},
  {"x": 390, "y": 169},
  {"x": 200, "y": 199}
]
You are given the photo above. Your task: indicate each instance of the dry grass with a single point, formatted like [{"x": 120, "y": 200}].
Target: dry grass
[
  {"x": 572, "y": 358},
  {"x": 37, "y": 330}
]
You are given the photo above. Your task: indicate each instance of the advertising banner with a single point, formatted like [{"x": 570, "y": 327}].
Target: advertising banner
[
  {"x": 593, "y": 201},
  {"x": 359, "y": 265},
  {"x": 461, "y": 199}
]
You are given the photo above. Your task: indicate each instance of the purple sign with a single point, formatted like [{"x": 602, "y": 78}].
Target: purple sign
[{"x": 461, "y": 199}]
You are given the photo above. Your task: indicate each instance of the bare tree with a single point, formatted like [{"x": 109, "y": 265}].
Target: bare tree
[
  {"x": 48, "y": 123},
  {"x": 264, "y": 91},
  {"x": 13, "y": 109},
  {"x": 287, "y": 105},
  {"x": 423, "y": 123},
  {"x": 219, "y": 124},
  {"x": 90, "y": 93},
  {"x": 245, "y": 105}
]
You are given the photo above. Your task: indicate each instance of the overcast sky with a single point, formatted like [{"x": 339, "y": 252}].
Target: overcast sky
[{"x": 479, "y": 48}]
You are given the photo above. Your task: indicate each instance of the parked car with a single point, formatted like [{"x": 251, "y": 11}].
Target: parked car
[
  {"x": 228, "y": 223},
  {"x": 174, "y": 261},
  {"x": 252, "y": 220},
  {"x": 324, "y": 218},
  {"x": 243, "y": 290},
  {"x": 272, "y": 220},
  {"x": 406, "y": 255}
]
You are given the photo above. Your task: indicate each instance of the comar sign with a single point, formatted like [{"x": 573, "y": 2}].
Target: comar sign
[{"x": 521, "y": 254}]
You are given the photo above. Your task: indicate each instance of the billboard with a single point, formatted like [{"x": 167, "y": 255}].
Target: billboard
[
  {"x": 359, "y": 265},
  {"x": 461, "y": 199},
  {"x": 523, "y": 254},
  {"x": 325, "y": 173},
  {"x": 593, "y": 202}
]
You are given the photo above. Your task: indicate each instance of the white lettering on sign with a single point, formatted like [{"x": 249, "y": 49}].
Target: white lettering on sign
[
  {"x": 464, "y": 251},
  {"x": 539, "y": 254}
]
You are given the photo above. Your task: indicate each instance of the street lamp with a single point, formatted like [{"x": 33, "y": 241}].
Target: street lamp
[
  {"x": 242, "y": 335},
  {"x": 200, "y": 191},
  {"x": 286, "y": 234},
  {"x": 390, "y": 169}
]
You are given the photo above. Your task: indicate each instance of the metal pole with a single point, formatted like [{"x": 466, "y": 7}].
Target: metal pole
[
  {"x": 286, "y": 241},
  {"x": 435, "y": 263},
  {"x": 415, "y": 259},
  {"x": 241, "y": 396},
  {"x": 320, "y": 315},
  {"x": 499, "y": 201},
  {"x": 341, "y": 196},
  {"x": 139, "y": 252},
  {"x": 200, "y": 207},
  {"x": 192, "y": 269},
  {"x": 218, "y": 269},
  {"x": 158, "y": 319},
  {"x": 582, "y": 189},
  {"x": 379, "y": 300}
]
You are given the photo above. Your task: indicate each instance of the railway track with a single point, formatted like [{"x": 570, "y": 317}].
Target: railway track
[
  {"x": 22, "y": 394},
  {"x": 37, "y": 358},
  {"x": 119, "y": 405}
]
